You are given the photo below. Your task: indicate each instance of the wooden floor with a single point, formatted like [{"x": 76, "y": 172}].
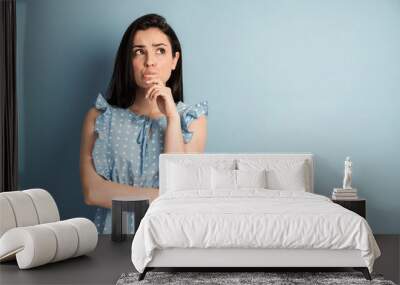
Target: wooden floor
[
  {"x": 389, "y": 262},
  {"x": 110, "y": 260}
]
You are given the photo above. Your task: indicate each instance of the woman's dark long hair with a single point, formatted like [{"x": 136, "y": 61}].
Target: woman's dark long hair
[{"x": 122, "y": 87}]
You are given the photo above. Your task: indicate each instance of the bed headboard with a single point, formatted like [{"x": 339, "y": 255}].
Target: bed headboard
[{"x": 213, "y": 158}]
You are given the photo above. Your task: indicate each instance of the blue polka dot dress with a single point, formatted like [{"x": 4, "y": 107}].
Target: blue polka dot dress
[{"x": 127, "y": 148}]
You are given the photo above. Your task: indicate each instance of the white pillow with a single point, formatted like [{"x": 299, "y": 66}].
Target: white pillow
[
  {"x": 181, "y": 177},
  {"x": 287, "y": 179},
  {"x": 251, "y": 178},
  {"x": 281, "y": 174},
  {"x": 223, "y": 179},
  {"x": 229, "y": 179}
]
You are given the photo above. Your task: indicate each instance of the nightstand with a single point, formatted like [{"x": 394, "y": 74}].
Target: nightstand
[
  {"x": 358, "y": 206},
  {"x": 120, "y": 207}
]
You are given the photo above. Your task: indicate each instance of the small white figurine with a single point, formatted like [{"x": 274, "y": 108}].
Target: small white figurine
[{"x": 347, "y": 174}]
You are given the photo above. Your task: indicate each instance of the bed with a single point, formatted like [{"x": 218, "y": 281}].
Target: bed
[{"x": 247, "y": 210}]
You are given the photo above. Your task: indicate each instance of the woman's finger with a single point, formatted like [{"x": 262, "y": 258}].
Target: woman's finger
[
  {"x": 148, "y": 92},
  {"x": 155, "y": 95},
  {"x": 155, "y": 90}
]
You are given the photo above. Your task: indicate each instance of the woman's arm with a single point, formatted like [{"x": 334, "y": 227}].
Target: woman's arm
[
  {"x": 96, "y": 190},
  {"x": 174, "y": 143},
  {"x": 174, "y": 138}
]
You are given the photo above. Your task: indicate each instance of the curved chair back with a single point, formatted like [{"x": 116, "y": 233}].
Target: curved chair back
[{"x": 26, "y": 208}]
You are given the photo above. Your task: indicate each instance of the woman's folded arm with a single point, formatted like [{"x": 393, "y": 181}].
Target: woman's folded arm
[{"x": 98, "y": 191}]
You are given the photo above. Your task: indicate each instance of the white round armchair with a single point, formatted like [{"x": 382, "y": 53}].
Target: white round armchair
[{"x": 31, "y": 230}]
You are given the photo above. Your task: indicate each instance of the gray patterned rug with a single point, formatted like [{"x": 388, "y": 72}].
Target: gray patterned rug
[{"x": 230, "y": 278}]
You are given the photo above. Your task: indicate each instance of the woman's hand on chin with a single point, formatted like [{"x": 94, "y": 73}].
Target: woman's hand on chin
[{"x": 163, "y": 96}]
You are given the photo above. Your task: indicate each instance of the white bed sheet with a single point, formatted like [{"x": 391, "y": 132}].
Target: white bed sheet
[{"x": 250, "y": 218}]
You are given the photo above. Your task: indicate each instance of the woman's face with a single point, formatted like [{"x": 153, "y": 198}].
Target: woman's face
[{"x": 152, "y": 56}]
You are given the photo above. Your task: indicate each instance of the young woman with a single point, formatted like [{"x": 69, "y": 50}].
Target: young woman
[{"x": 143, "y": 116}]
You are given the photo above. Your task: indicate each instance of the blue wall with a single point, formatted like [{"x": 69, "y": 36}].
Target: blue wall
[{"x": 280, "y": 76}]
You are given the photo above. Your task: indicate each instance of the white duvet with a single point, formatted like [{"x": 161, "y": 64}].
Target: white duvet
[{"x": 251, "y": 218}]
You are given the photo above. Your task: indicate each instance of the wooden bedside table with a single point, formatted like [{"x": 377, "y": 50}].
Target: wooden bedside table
[{"x": 358, "y": 206}]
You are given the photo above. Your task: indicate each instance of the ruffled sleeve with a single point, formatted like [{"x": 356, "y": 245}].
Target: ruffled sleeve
[
  {"x": 102, "y": 120},
  {"x": 102, "y": 127},
  {"x": 101, "y": 103},
  {"x": 188, "y": 114}
]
